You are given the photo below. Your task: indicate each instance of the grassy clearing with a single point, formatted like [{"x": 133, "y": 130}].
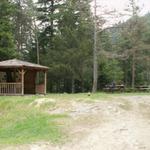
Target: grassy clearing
[{"x": 21, "y": 123}]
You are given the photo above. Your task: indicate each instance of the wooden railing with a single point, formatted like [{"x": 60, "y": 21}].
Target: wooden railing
[{"x": 10, "y": 88}]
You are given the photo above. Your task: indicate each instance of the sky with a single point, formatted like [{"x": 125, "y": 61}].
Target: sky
[{"x": 120, "y": 6}]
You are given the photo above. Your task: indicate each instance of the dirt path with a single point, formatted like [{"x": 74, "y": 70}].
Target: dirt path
[{"x": 120, "y": 124}]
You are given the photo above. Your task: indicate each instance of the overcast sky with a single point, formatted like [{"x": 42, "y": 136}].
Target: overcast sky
[{"x": 121, "y": 5}]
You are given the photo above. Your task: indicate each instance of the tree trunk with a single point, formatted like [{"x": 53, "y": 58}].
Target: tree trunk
[
  {"x": 125, "y": 74},
  {"x": 133, "y": 70},
  {"x": 148, "y": 71},
  {"x": 37, "y": 48},
  {"x": 73, "y": 85},
  {"x": 52, "y": 22},
  {"x": 82, "y": 85},
  {"x": 95, "y": 63}
]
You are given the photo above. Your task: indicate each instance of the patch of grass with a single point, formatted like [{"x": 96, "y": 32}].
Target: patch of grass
[
  {"x": 33, "y": 128},
  {"x": 48, "y": 106},
  {"x": 80, "y": 96},
  {"x": 93, "y": 96},
  {"x": 21, "y": 123}
]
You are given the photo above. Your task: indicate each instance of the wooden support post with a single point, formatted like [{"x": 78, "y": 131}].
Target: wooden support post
[
  {"x": 45, "y": 82},
  {"x": 22, "y": 81}
]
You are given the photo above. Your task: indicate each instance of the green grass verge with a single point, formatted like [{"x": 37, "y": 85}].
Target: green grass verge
[
  {"x": 21, "y": 123},
  {"x": 94, "y": 96}
]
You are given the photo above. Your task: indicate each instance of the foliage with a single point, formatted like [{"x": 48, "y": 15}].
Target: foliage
[
  {"x": 7, "y": 46},
  {"x": 112, "y": 71},
  {"x": 59, "y": 34}
]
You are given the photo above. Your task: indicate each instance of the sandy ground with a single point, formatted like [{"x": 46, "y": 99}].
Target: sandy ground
[{"x": 122, "y": 123}]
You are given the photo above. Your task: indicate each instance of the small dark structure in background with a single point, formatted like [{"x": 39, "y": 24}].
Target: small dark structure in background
[
  {"x": 19, "y": 77},
  {"x": 114, "y": 87}
]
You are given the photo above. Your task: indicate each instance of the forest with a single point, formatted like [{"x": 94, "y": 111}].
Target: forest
[{"x": 82, "y": 53}]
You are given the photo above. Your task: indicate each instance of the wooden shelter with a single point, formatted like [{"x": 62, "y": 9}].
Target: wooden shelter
[{"x": 19, "y": 77}]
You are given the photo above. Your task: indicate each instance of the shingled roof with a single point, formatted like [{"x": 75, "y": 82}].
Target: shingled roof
[{"x": 15, "y": 63}]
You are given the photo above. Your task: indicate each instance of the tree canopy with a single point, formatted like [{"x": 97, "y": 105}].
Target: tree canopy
[{"x": 60, "y": 35}]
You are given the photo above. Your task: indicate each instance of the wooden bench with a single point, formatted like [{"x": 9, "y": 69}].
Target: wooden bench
[
  {"x": 143, "y": 88},
  {"x": 110, "y": 88}
]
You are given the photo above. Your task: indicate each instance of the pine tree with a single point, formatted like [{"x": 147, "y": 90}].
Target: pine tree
[
  {"x": 23, "y": 23},
  {"x": 7, "y": 46}
]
